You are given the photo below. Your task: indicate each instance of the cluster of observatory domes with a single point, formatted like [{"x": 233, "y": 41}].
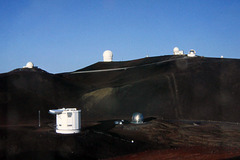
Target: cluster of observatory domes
[
  {"x": 176, "y": 51},
  {"x": 108, "y": 56}
]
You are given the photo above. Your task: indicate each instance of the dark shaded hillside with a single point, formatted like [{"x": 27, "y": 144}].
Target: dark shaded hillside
[
  {"x": 171, "y": 87},
  {"x": 210, "y": 88},
  {"x": 138, "y": 62},
  {"x": 181, "y": 87},
  {"x": 23, "y": 92}
]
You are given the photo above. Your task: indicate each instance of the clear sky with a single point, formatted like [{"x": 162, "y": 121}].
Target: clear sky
[{"x": 66, "y": 35}]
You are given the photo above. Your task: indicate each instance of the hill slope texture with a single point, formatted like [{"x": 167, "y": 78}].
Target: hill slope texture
[{"x": 171, "y": 87}]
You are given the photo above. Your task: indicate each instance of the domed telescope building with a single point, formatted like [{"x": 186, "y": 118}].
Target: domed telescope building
[
  {"x": 137, "y": 118},
  {"x": 107, "y": 56},
  {"x": 176, "y": 51},
  {"x": 29, "y": 65},
  {"x": 192, "y": 53}
]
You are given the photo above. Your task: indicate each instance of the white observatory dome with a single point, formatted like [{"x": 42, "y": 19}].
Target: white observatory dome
[
  {"x": 192, "y": 53},
  {"x": 175, "y": 49},
  {"x": 137, "y": 118},
  {"x": 29, "y": 65},
  {"x": 107, "y": 56}
]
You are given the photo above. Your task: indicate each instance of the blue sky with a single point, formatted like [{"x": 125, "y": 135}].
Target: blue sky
[{"x": 66, "y": 35}]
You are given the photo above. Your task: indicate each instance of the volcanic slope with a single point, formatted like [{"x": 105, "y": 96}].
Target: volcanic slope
[
  {"x": 25, "y": 92},
  {"x": 171, "y": 87}
]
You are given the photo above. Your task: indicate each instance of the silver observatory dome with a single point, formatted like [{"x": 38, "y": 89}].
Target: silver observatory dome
[{"x": 137, "y": 118}]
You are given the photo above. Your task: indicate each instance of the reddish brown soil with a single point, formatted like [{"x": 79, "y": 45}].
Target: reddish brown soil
[{"x": 190, "y": 153}]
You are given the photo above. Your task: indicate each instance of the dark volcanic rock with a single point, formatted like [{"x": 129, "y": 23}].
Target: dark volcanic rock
[{"x": 23, "y": 92}]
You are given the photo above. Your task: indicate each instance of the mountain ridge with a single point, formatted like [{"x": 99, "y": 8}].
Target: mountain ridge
[{"x": 171, "y": 87}]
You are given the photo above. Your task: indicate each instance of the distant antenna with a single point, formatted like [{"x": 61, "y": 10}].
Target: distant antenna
[{"x": 39, "y": 118}]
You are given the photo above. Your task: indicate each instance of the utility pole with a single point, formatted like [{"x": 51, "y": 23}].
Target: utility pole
[{"x": 39, "y": 118}]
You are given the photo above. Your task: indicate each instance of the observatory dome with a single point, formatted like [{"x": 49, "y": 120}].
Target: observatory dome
[
  {"x": 29, "y": 65},
  {"x": 175, "y": 49},
  {"x": 192, "y": 53},
  {"x": 137, "y": 118},
  {"x": 107, "y": 56}
]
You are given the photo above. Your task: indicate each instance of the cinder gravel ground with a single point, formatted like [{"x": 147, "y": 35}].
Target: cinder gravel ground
[{"x": 154, "y": 139}]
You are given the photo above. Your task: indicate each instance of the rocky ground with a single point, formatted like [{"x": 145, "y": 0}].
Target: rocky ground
[{"x": 154, "y": 139}]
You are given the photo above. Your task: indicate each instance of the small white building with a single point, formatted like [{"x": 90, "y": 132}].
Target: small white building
[
  {"x": 29, "y": 65},
  {"x": 176, "y": 51},
  {"x": 107, "y": 56},
  {"x": 192, "y": 53},
  {"x": 68, "y": 120}
]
